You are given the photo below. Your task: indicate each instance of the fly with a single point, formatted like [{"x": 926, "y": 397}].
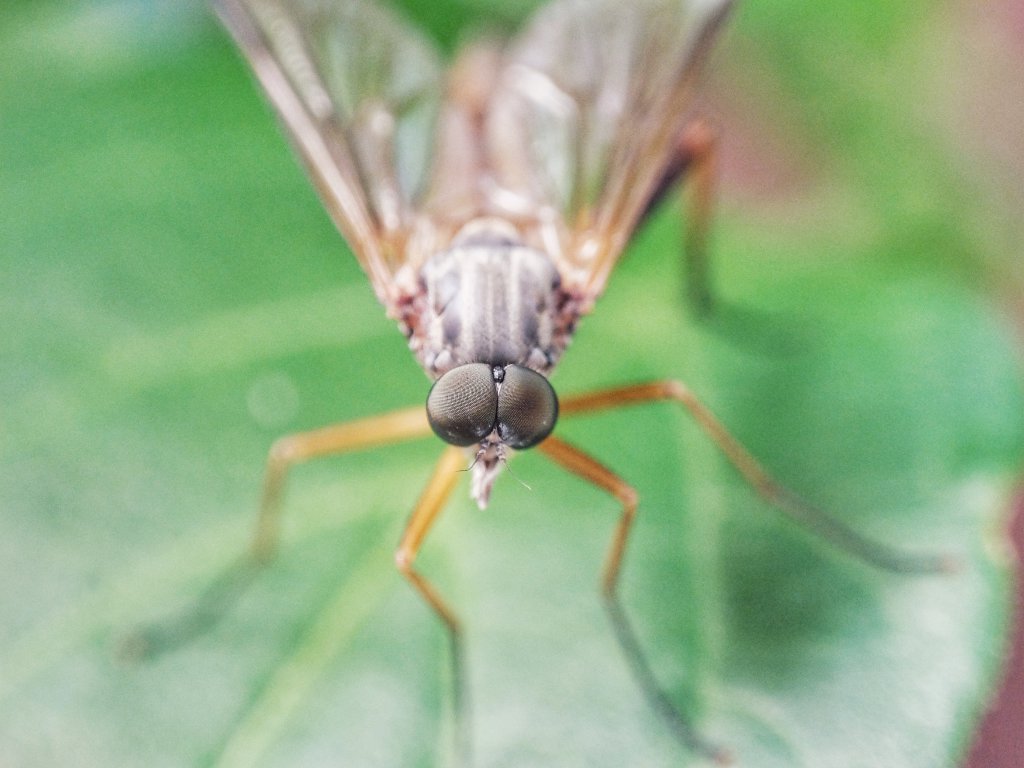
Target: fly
[{"x": 488, "y": 203}]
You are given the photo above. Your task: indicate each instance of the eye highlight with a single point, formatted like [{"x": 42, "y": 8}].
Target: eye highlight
[
  {"x": 463, "y": 404},
  {"x": 527, "y": 407}
]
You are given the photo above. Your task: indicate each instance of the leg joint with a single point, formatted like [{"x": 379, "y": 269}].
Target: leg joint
[
  {"x": 284, "y": 450},
  {"x": 674, "y": 389},
  {"x": 404, "y": 559},
  {"x": 629, "y": 497}
]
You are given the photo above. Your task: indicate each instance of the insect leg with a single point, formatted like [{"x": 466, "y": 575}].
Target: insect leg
[
  {"x": 348, "y": 437},
  {"x": 581, "y": 464},
  {"x": 159, "y": 637},
  {"x": 829, "y": 528},
  {"x": 698, "y": 151},
  {"x": 595, "y": 473},
  {"x": 695, "y": 163},
  {"x": 430, "y": 504}
]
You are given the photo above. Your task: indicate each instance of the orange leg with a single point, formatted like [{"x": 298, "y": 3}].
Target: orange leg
[
  {"x": 351, "y": 436},
  {"x": 591, "y": 470},
  {"x": 831, "y": 529},
  {"x": 423, "y": 516},
  {"x": 579, "y": 463},
  {"x": 588, "y": 468},
  {"x": 154, "y": 639},
  {"x": 399, "y": 426}
]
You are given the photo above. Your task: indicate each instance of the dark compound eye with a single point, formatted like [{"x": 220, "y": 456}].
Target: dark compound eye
[
  {"x": 527, "y": 407},
  {"x": 463, "y": 404}
]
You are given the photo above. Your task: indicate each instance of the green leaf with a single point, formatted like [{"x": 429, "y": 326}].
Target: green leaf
[{"x": 173, "y": 298}]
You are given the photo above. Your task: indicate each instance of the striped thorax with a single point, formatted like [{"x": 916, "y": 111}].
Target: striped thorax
[{"x": 492, "y": 322}]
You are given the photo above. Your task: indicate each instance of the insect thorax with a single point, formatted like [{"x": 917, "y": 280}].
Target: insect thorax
[{"x": 490, "y": 299}]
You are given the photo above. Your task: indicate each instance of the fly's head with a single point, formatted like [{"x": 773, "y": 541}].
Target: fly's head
[{"x": 495, "y": 407}]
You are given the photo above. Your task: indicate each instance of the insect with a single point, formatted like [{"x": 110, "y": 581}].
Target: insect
[{"x": 488, "y": 205}]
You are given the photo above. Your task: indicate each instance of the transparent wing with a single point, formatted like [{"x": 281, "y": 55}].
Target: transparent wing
[
  {"x": 358, "y": 92},
  {"x": 583, "y": 124}
]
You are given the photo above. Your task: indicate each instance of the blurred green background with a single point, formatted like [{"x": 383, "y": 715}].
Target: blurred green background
[{"x": 172, "y": 298}]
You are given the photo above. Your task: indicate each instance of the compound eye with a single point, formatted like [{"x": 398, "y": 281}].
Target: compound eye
[
  {"x": 463, "y": 404},
  {"x": 527, "y": 407}
]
